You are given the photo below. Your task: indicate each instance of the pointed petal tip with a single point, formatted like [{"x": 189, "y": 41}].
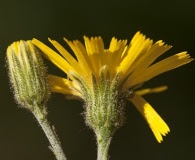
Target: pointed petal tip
[
  {"x": 49, "y": 39},
  {"x": 155, "y": 122}
]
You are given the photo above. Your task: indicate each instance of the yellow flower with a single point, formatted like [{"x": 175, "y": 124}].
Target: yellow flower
[{"x": 122, "y": 68}]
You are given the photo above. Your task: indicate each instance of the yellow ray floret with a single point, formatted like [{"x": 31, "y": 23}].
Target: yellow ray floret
[
  {"x": 141, "y": 75},
  {"x": 66, "y": 55},
  {"x": 64, "y": 86},
  {"x": 138, "y": 45},
  {"x": 81, "y": 54},
  {"x": 67, "y": 63},
  {"x": 54, "y": 57},
  {"x": 156, "y": 123},
  {"x": 151, "y": 90}
]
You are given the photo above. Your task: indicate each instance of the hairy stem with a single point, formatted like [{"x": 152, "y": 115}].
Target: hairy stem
[
  {"x": 50, "y": 134},
  {"x": 103, "y": 144}
]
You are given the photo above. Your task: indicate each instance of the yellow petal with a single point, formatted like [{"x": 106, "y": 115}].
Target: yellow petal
[
  {"x": 64, "y": 86},
  {"x": 70, "y": 59},
  {"x": 116, "y": 51},
  {"x": 151, "y": 90},
  {"x": 167, "y": 64},
  {"x": 81, "y": 55},
  {"x": 95, "y": 53},
  {"x": 152, "y": 54},
  {"x": 137, "y": 47},
  {"x": 145, "y": 74},
  {"x": 155, "y": 122},
  {"x": 79, "y": 68},
  {"x": 53, "y": 56},
  {"x": 94, "y": 45}
]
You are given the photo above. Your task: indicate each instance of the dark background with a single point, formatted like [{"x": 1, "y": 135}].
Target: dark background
[{"x": 170, "y": 20}]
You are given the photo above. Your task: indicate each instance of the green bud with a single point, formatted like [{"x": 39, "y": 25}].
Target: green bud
[{"x": 27, "y": 75}]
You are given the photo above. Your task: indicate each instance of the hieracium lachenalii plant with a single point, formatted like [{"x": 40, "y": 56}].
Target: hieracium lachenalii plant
[{"x": 104, "y": 79}]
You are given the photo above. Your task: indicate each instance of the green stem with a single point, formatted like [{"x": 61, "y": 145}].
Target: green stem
[
  {"x": 103, "y": 143},
  {"x": 51, "y": 134}
]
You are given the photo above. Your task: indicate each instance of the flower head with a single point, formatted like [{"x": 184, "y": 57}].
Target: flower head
[
  {"x": 106, "y": 78},
  {"x": 27, "y": 74}
]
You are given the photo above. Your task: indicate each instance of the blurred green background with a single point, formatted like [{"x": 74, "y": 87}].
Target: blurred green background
[{"x": 170, "y": 20}]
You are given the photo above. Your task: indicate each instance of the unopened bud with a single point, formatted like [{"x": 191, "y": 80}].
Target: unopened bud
[{"x": 27, "y": 74}]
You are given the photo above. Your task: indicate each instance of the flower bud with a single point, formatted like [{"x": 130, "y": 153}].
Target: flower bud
[{"x": 27, "y": 74}]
